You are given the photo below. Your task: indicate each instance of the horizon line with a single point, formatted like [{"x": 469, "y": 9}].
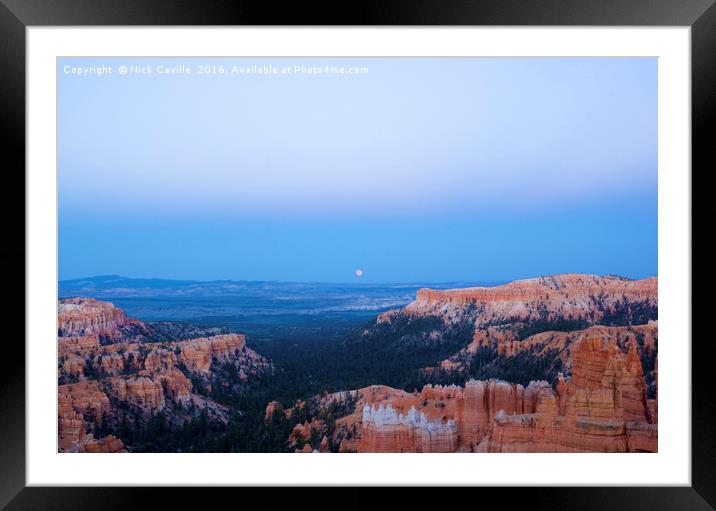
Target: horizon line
[{"x": 356, "y": 279}]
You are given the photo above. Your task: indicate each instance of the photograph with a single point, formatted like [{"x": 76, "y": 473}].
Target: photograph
[{"x": 357, "y": 255}]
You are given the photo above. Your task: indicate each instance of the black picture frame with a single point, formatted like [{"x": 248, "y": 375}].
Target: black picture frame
[{"x": 700, "y": 15}]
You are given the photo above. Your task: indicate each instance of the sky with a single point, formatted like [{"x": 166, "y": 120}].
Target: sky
[{"x": 412, "y": 169}]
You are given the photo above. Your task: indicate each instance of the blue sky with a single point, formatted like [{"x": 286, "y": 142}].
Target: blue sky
[{"x": 420, "y": 170}]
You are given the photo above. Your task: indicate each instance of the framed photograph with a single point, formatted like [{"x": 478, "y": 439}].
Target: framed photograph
[{"x": 406, "y": 247}]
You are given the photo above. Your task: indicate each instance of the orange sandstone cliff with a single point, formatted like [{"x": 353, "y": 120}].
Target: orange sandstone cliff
[
  {"x": 602, "y": 408},
  {"x": 568, "y": 296},
  {"x": 541, "y": 315}
]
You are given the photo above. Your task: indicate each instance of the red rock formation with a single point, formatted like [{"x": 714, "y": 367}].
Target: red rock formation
[
  {"x": 324, "y": 447},
  {"x": 71, "y": 430},
  {"x": 558, "y": 299},
  {"x": 106, "y": 444},
  {"x": 386, "y": 430},
  {"x": 271, "y": 408},
  {"x": 438, "y": 418},
  {"x": 73, "y": 437},
  {"x": 81, "y": 343},
  {"x": 569, "y": 296},
  {"x": 112, "y": 363},
  {"x": 88, "y": 317},
  {"x": 161, "y": 359},
  {"x": 303, "y": 431},
  {"x": 506, "y": 342},
  {"x": 73, "y": 365},
  {"x": 483, "y": 400},
  {"x": 602, "y": 408},
  {"x": 134, "y": 370},
  {"x": 176, "y": 386},
  {"x": 197, "y": 354},
  {"x": 79, "y": 403},
  {"x": 141, "y": 391},
  {"x": 81, "y": 398}
]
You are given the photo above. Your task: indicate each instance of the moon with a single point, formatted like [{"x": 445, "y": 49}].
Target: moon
[{"x": 359, "y": 272}]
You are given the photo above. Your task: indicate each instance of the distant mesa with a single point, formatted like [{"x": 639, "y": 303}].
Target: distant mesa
[{"x": 567, "y": 296}]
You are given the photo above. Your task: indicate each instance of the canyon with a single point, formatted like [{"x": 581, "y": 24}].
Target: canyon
[{"x": 564, "y": 363}]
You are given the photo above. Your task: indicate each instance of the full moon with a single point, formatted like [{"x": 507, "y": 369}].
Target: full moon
[{"x": 359, "y": 272}]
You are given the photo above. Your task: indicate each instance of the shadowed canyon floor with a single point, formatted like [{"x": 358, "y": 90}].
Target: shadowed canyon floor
[{"x": 564, "y": 363}]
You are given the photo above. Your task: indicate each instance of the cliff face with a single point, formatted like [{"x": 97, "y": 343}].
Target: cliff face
[
  {"x": 563, "y": 297},
  {"x": 602, "y": 407},
  {"x": 86, "y": 322},
  {"x": 386, "y": 430},
  {"x": 438, "y": 418},
  {"x": 541, "y": 316},
  {"x": 198, "y": 354},
  {"x": 110, "y": 371},
  {"x": 79, "y": 317},
  {"x": 78, "y": 404},
  {"x": 554, "y": 347}
]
